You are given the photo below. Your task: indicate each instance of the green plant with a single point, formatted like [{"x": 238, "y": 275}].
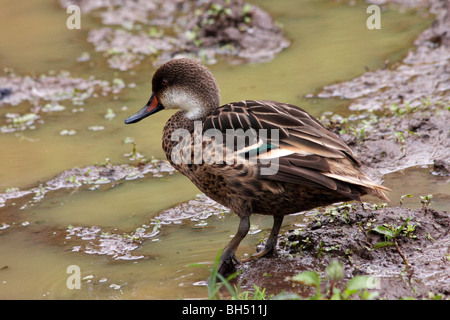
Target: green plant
[
  {"x": 398, "y": 111},
  {"x": 134, "y": 154},
  {"x": 341, "y": 210},
  {"x": 409, "y": 231},
  {"x": 335, "y": 274},
  {"x": 425, "y": 200},
  {"x": 391, "y": 233},
  {"x": 409, "y": 195},
  {"x": 109, "y": 114},
  {"x": 399, "y": 137},
  {"x": 216, "y": 281},
  {"x": 258, "y": 294}
]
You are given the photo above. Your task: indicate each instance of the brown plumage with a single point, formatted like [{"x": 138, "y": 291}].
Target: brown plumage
[{"x": 286, "y": 162}]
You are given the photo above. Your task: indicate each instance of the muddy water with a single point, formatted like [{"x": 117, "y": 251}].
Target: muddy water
[{"x": 40, "y": 239}]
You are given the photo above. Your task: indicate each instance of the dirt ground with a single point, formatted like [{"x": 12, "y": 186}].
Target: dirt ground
[{"x": 347, "y": 234}]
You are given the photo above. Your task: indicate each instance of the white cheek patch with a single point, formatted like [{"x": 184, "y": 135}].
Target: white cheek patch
[{"x": 181, "y": 99}]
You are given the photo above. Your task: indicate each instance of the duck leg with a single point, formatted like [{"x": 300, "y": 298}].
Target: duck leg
[
  {"x": 226, "y": 265},
  {"x": 269, "y": 248}
]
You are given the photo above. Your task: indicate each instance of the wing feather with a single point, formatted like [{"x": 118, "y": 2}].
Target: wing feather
[{"x": 307, "y": 152}]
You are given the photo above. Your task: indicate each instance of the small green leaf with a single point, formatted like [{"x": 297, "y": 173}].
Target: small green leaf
[
  {"x": 128, "y": 140},
  {"x": 409, "y": 195},
  {"x": 335, "y": 271},
  {"x": 355, "y": 284},
  {"x": 399, "y": 229},
  {"x": 367, "y": 295},
  {"x": 109, "y": 114},
  {"x": 337, "y": 294},
  {"x": 383, "y": 230},
  {"x": 308, "y": 278}
]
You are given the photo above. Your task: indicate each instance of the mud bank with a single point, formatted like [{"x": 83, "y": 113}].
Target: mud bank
[
  {"x": 105, "y": 175},
  {"x": 399, "y": 138},
  {"x": 95, "y": 240},
  {"x": 162, "y": 30},
  {"x": 121, "y": 246},
  {"x": 45, "y": 93},
  {"x": 402, "y": 111},
  {"x": 423, "y": 75},
  {"x": 352, "y": 235}
]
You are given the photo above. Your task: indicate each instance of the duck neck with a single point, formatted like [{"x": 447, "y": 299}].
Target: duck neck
[{"x": 198, "y": 114}]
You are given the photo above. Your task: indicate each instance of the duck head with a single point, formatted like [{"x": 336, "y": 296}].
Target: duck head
[{"x": 181, "y": 84}]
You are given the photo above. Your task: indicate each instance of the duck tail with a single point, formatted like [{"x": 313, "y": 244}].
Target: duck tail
[{"x": 379, "y": 191}]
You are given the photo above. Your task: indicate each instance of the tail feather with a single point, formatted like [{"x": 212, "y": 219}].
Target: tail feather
[{"x": 379, "y": 191}]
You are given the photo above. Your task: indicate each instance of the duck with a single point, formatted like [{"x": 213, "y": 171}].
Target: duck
[{"x": 252, "y": 156}]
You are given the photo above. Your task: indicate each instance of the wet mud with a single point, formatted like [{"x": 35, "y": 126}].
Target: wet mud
[
  {"x": 417, "y": 266},
  {"x": 44, "y": 94},
  {"x": 104, "y": 175},
  {"x": 159, "y": 31},
  {"x": 400, "y": 138}
]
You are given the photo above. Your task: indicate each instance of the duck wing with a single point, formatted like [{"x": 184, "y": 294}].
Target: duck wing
[{"x": 287, "y": 144}]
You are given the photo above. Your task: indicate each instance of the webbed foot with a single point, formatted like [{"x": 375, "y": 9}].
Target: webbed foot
[
  {"x": 266, "y": 252},
  {"x": 227, "y": 265}
]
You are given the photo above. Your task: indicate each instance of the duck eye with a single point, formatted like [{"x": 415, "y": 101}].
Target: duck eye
[{"x": 164, "y": 82}]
